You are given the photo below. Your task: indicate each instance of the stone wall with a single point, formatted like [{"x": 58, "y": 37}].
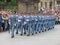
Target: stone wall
[{"x": 36, "y": 6}]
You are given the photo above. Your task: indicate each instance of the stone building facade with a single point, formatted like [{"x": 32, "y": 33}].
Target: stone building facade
[{"x": 36, "y": 6}]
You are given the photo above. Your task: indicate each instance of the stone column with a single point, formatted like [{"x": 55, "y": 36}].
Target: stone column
[
  {"x": 48, "y": 5},
  {"x": 43, "y": 4},
  {"x": 39, "y": 6},
  {"x": 55, "y": 4}
]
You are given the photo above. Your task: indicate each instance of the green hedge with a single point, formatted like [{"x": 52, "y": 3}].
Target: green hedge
[{"x": 10, "y": 7}]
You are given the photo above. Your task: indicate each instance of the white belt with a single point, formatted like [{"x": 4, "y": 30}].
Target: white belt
[
  {"x": 25, "y": 22},
  {"x": 27, "y": 19},
  {"x": 36, "y": 20},
  {"x": 19, "y": 20}
]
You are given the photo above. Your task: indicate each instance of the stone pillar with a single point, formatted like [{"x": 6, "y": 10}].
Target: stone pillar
[
  {"x": 48, "y": 5},
  {"x": 55, "y": 4},
  {"x": 43, "y": 4},
  {"x": 39, "y": 6}
]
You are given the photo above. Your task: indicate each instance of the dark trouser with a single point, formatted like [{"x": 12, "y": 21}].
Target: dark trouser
[
  {"x": 0, "y": 26},
  {"x": 3, "y": 25},
  {"x": 7, "y": 26}
]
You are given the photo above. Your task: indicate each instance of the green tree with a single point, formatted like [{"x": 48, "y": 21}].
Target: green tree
[
  {"x": 2, "y": 0},
  {"x": 8, "y": 0},
  {"x": 14, "y": 2}
]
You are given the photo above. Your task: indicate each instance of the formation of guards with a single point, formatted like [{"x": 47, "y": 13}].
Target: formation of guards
[{"x": 30, "y": 24}]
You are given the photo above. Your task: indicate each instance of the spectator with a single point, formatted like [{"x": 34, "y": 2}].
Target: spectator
[{"x": 0, "y": 22}]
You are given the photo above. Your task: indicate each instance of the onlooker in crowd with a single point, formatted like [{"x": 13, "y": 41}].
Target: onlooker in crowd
[{"x": 0, "y": 22}]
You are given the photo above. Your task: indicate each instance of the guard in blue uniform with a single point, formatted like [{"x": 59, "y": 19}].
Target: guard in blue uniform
[
  {"x": 13, "y": 23},
  {"x": 33, "y": 24},
  {"x": 38, "y": 24},
  {"x": 22, "y": 24}
]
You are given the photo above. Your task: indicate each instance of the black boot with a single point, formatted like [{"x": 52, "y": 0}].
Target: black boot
[
  {"x": 42, "y": 31},
  {"x": 12, "y": 36},
  {"x": 28, "y": 34},
  {"x": 16, "y": 32},
  {"x": 24, "y": 32},
  {"x": 39, "y": 31},
  {"x": 35, "y": 32},
  {"x": 21, "y": 34},
  {"x": 32, "y": 33}
]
